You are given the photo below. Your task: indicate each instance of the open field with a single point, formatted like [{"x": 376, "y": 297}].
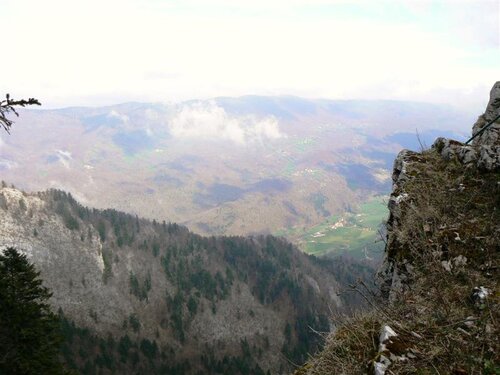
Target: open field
[{"x": 355, "y": 233}]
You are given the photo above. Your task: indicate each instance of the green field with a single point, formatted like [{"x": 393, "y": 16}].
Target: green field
[{"x": 355, "y": 233}]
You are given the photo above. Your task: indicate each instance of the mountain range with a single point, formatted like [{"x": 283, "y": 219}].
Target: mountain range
[
  {"x": 233, "y": 166},
  {"x": 138, "y": 293}
]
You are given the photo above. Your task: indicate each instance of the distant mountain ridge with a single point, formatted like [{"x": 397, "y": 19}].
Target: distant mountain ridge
[{"x": 209, "y": 164}]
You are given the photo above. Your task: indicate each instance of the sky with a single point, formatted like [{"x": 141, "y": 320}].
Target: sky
[{"x": 101, "y": 52}]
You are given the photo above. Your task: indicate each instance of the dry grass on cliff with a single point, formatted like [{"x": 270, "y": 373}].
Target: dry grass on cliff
[{"x": 449, "y": 233}]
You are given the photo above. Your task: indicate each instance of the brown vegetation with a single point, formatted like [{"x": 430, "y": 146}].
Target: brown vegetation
[{"x": 448, "y": 243}]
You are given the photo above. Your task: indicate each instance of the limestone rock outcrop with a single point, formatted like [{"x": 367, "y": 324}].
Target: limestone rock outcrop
[
  {"x": 490, "y": 137},
  {"x": 484, "y": 152},
  {"x": 439, "y": 280}
]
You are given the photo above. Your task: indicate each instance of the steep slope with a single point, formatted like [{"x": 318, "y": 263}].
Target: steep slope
[
  {"x": 186, "y": 303},
  {"x": 438, "y": 312}
]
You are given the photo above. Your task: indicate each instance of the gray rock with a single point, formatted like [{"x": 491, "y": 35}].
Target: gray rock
[
  {"x": 491, "y": 136},
  {"x": 493, "y": 107},
  {"x": 399, "y": 168},
  {"x": 448, "y": 148},
  {"x": 485, "y": 149},
  {"x": 467, "y": 155},
  {"x": 489, "y": 158}
]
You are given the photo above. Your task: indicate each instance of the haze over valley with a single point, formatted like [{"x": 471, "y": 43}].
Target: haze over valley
[{"x": 233, "y": 166}]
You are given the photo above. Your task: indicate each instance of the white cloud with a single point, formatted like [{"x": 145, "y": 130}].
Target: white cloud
[
  {"x": 266, "y": 128},
  {"x": 116, "y": 114},
  {"x": 208, "y": 121}
]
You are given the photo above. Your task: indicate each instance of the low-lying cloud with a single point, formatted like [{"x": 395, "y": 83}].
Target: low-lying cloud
[
  {"x": 210, "y": 121},
  {"x": 115, "y": 114}
]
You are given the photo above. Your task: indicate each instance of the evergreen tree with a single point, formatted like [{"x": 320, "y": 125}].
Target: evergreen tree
[
  {"x": 9, "y": 105},
  {"x": 29, "y": 331}
]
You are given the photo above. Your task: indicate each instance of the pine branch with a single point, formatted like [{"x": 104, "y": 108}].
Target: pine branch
[{"x": 9, "y": 105}]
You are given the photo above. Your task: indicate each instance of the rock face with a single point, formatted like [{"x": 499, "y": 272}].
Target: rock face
[
  {"x": 390, "y": 273},
  {"x": 490, "y": 137}
]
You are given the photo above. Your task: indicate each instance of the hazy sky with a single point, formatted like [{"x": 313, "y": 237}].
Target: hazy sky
[{"x": 95, "y": 52}]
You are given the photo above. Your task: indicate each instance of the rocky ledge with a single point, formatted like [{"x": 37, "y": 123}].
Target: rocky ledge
[
  {"x": 439, "y": 306},
  {"x": 483, "y": 154}
]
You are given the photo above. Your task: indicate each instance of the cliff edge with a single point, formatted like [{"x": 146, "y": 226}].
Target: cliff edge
[{"x": 438, "y": 307}]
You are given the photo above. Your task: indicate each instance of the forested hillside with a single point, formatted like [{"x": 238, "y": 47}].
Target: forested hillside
[{"x": 140, "y": 295}]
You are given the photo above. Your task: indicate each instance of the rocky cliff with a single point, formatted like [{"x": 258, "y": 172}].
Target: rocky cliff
[
  {"x": 140, "y": 296},
  {"x": 438, "y": 307}
]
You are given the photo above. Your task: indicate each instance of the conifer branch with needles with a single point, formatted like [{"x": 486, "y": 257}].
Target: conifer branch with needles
[{"x": 9, "y": 105}]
